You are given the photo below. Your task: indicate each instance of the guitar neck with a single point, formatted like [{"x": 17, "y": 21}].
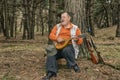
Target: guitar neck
[{"x": 82, "y": 36}]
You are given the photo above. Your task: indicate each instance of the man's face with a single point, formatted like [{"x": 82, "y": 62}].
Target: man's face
[{"x": 65, "y": 19}]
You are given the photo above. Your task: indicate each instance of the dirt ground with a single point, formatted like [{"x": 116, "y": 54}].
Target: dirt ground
[{"x": 24, "y": 60}]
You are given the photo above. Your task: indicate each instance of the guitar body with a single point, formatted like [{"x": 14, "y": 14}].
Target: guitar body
[{"x": 60, "y": 46}]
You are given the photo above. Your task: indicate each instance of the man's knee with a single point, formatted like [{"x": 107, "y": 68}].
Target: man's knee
[{"x": 51, "y": 58}]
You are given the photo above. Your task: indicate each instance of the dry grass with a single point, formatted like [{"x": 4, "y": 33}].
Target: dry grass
[
  {"x": 24, "y": 60},
  {"x": 106, "y": 36}
]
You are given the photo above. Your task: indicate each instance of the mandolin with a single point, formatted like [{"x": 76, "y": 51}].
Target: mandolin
[{"x": 62, "y": 45}]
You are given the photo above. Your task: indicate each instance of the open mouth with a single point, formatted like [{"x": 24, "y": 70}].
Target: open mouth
[{"x": 62, "y": 20}]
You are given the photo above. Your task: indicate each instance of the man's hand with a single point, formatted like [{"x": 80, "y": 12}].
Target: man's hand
[{"x": 59, "y": 39}]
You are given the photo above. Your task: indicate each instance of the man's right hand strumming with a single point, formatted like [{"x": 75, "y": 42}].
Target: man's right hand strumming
[{"x": 59, "y": 40}]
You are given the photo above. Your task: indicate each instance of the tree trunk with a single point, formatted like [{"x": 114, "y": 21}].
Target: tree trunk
[
  {"x": 77, "y": 7},
  {"x": 118, "y": 21},
  {"x": 52, "y": 16},
  {"x": 32, "y": 20},
  {"x": 2, "y": 22},
  {"x": 12, "y": 19},
  {"x": 1, "y": 9},
  {"x": 89, "y": 14},
  {"x": 79, "y": 17},
  {"x": 41, "y": 21},
  {"x": 25, "y": 21},
  {"x": 106, "y": 18},
  {"x": 5, "y": 13}
]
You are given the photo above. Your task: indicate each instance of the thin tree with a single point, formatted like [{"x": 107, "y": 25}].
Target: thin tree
[
  {"x": 52, "y": 15},
  {"x": 118, "y": 20}
]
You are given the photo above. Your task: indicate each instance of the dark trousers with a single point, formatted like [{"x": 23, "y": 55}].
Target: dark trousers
[{"x": 68, "y": 53}]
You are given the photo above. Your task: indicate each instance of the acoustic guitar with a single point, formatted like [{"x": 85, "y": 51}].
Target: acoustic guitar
[{"x": 62, "y": 45}]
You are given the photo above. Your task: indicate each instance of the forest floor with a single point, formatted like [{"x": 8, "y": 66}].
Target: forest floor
[{"x": 24, "y": 59}]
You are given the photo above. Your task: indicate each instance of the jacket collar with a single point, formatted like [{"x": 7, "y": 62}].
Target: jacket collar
[{"x": 70, "y": 25}]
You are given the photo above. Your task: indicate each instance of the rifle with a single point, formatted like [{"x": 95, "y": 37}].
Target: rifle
[
  {"x": 60, "y": 46},
  {"x": 100, "y": 59},
  {"x": 90, "y": 49}
]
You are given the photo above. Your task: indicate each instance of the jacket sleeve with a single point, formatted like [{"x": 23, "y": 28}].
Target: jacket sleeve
[
  {"x": 78, "y": 32},
  {"x": 52, "y": 35}
]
